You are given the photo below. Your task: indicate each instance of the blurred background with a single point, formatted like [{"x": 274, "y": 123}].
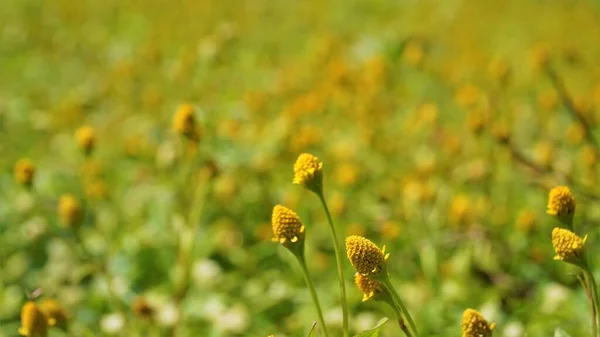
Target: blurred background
[{"x": 441, "y": 126}]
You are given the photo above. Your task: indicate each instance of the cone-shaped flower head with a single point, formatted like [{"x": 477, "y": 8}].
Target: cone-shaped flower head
[
  {"x": 365, "y": 256},
  {"x": 86, "y": 139},
  {"x": 184, "y": 122},
  {"x": 69, "y": 211},
  {"x": 55, "y": 314},
  {"x": 474, "y": 325},
  {"x": 561, "y": 202},
  {"x": 33, "y": 321},
  {"x": 308, "y": 172},
  {"x": 287, "y": 227},
  {"x": 24, "y": 172},
  {"x": 369, "y": 288},
  {"x": 568, "y": 246}
]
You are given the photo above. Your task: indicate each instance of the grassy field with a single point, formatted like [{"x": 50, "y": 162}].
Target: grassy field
[{"x": 441, "y": 126}]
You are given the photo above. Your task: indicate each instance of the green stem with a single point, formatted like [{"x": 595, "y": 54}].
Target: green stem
[
  {"x": 399, "y": 315},
  {"x": 388, "y": 284},
  {"x": 594, "y": 291},
  {"x": 313, "y": 293},
  {"x": 340, "y": 268}
]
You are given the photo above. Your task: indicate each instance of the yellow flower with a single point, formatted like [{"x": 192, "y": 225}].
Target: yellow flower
[
  {"x": 308, "y": 172},
  {"x": 369, "y": 288},
  {"x": 54, "y": 312},
  {"x": 184, "y": 122},
  {"x": 33, "y": 321},
  {"x": 567, "y": 245},
  {"x": 287, "y": 227},
  {"x": 561, "y": 202},
  {"x": 501, "y": 132},
  {"x": 474, "y": 325},
  {"x": 86, "y": 138},
  {"x": 365, "y": 256},
  {"x": 69, "y": 211},
  {"x": 24, "y": 172}
]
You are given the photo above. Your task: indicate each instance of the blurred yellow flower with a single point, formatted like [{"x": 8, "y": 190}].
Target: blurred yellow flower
[
  {"x": 369, "y": 288},
  {"x": 547, "y": 100},
  {"x": 413, "y": 53},
  {"x": 287, "y": 227},
  {"x": 70, "y": 211},
  {"x": 460, "y": 208},
  {"x": 525, "y": 220},
  {"x": 86, "y": 139},
  {"x": 184, "y": 122},
  {"x": 33, "y": 321},
  {"x": 54, "y": 312},
  {"x": 475, "y": 325},
  {"x": 544, "y": 153},
  {"x": 365, "y": 256},
  {"x": 561, "y": 201},
  {"x": 24, "y": 172},
  {"x": 575, "y": 133},
  {"x": 567, "y": 245},
  {"x": 467, "y": 95},
  {"x": 501, "y": 132},
  {"x": 142, "y": 308},
  {"x": 308, "y": 172}
]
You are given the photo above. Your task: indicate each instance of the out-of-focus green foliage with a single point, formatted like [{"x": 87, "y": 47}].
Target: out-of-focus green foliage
[{"x": 441, "y": 125}]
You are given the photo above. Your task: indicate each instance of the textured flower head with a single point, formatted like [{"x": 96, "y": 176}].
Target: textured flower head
[
  {"x": 86, "y": 139},
  {"x": 561, "y": 202},
  {"x": 287, "y": 227},
  {"x": 54, "y": 312},
  {"x": 308, "y": 172},
  {"x": 33, "y": 321},
  {"x": 369, "y": 288},
  {"x": 184, "y": 122},
  {"x": 365, "y": 256},
  {"x": 24, "y": 172},
  {"x": 568, "y": 246},
  {"x": 474, "y": 325},
  {"x": 70, "y": 211}
]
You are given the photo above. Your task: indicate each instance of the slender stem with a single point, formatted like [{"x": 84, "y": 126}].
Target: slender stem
[
  {"x": 388, "y": 284},
  {"x": 401, "y": 322},
  {"x": 594, "y": 291},
  {"x": 340, "y": 268},
  {"x": 583, "y": 279},
  {"x": 313, "y": 293}
]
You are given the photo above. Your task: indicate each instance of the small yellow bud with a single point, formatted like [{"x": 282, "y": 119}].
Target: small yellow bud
[
  {"x": 365, "y": 256},
  {"x": 54, "y": 312},
  {"x": 561, "y": 202},
  {"x": 142, "y": 308},
  {"x": 24, "y": 172},
  {"x": 475, "y": 325},
  {"x": 70, "y": 211},
  {"x": 568, "y": 246},
  {"x": 184, "y": 122},
  {"x": 287, "y": 227},
  {"x": 33, "y": 321},
  {"x": 308, "y": 172},
  {"x": 369, "y": 288},
  {"x": 86, "y": 139}
]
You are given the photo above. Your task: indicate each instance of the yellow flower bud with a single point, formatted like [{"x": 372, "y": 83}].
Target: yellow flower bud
[
  {"x": 70, "y": 211},
  {"x": 365, "y": 256},
  {"x": 287, "y": 227},
  {"x": 561, "y": 202},
  {"x": 24, "y": 172},
  {"x": 184, "y": 122},
  {"x": 475, "y": 325},
  {"x": 54, "y": 312},
  {"x": 142, "y": 308},
  {"x": 33, "y": 321},
  {"x": 568, "y": 246},
  {"x": 308, "y": 172},
  {"x": 369, "y": 288},
  {"x": 86, "y": 139}
]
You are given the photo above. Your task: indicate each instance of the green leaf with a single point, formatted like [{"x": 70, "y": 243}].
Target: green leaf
[
  {"x": 313, "y": 331},
  {"x": 561, "y": 333},
  {"x": 374, "y": 331}
]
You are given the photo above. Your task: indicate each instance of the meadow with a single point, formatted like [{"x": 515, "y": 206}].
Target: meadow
[{"x": 145, "y": 144}]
